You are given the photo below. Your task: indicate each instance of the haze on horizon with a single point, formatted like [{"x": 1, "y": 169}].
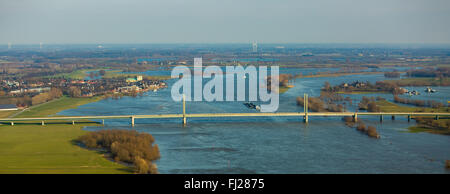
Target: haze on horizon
[{"x": 224, "y": 21}]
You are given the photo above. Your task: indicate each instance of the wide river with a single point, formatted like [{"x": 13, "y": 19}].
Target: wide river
[{"x": 274, "y": 144}]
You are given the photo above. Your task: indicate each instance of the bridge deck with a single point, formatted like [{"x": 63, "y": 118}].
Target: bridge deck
[{"x": 299, "y": 114}]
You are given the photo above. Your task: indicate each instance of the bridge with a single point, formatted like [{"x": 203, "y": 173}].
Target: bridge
[{"x": 305, "y": 115}]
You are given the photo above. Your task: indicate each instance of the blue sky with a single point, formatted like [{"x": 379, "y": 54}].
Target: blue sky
[{"x": 224, "y": 21}]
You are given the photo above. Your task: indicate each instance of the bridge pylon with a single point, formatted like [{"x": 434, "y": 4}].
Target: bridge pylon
[
  {"x": 305, "y": 107},
  {"x": 184, "y": 109}
]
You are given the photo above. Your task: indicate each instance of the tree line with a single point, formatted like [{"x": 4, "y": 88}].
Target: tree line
[
  {"x": 393, "y": 74},
  {"x": 371, "y": 131},
  {"x": 439, "y": 72},
  {"x": 317, "y": 105},
  {"x": 369, "y": 104},
  {"x": 417, "y": 102},
  {"x": 126, "y": 146},
  {"x": 357, "y": 86}
]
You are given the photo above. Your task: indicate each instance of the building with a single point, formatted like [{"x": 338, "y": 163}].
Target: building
[
  {"x": 136, "y": 79},
  {"x": 128, "y": 89},
  {"x": 6, "y": 107},
  {"x": 30, "y": 90}
]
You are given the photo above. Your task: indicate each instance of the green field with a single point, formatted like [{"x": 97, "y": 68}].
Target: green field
[
  {"x": 4, "y": 114},
  {"x": 387, "y": 106},
  {"x": 32, "y": 148},
  {"x": 419, "y": 129},
  {"x": 82, "y": 73},
  {"x": 119, "y": 75},
  {"x": 77, "y": 74},
  {"x": 58, "y": 105}
]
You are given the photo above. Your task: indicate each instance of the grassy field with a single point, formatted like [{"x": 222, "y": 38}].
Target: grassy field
[
  {"x": 420, "y": 129},
  {"x": 4, "y": 114},
  {"x": 58, "y": 105},
  {"x": 32, "y": 148},
  {"x": 82, "y": 73},
  {"x": 119, "y": 74},
  {"x": 77, "y": 74},
  {"x": 387, "y": 106}
]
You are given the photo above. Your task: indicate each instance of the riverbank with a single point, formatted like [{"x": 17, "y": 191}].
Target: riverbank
[
  {"x": 283, "y": 89},
  {"x": 420, "y": 82},
  {"x": 336, "y": 74},
  {"x": 386, "y": 106},
  {"x": 33, "y": 148},
  {"x": 363, "y": 92}
]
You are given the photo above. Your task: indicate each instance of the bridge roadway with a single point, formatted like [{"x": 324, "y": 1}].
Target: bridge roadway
[{"x": 205, "y": 115}]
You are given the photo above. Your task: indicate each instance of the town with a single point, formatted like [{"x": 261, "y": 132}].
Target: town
[{"x": 27, "y": 92}]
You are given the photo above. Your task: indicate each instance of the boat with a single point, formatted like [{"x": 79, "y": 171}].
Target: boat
[
  {"x": 250, "y": 105},
  {"x": 430, "y": 90},
  {"x": 413, "y": 93}
]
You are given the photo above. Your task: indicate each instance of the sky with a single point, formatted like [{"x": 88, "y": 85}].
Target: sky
[{"x": 224, "y": 21}]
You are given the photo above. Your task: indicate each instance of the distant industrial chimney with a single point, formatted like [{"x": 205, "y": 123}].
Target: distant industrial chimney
[{"x": 255, "y": 47}]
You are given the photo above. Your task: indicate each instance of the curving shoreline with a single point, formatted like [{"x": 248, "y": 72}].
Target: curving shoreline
[{"x": 32, "y": 148}]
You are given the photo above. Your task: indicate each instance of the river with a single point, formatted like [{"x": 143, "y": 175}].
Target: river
[{"x": 274, "y": 144}]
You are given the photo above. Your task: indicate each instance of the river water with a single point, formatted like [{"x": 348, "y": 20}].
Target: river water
[{"x": 275, "y": 144}]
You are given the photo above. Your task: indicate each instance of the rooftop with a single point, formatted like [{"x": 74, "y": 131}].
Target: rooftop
[{"x": 8, "y": 106}]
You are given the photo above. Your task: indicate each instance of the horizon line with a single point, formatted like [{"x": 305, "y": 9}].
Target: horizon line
[{"x": 259, "y": 43}]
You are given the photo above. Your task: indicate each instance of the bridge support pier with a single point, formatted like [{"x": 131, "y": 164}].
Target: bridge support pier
[
  {"x": 436, "y": 118},
  {"x": 132, "y": 121},
  {"x": 73, "y": 122},
  {"x": 355, "y": 118},
  {"x": 12, "y": 123},
  {"x": 393, "y": 117},
  {"x": 381, "y": 118},
  {"x": 103, "y": 122},
  {"x": 43, "y": 123},
  {"x": 305, "y": 108},
  {"x": 409, "y": 118}
]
